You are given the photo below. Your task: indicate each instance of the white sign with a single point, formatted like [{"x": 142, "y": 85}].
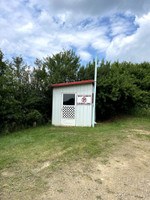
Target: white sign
[{"x": 84, "y": 99}]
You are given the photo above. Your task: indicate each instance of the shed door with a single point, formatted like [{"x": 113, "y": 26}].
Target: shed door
[{"x": 68, "y": 110}]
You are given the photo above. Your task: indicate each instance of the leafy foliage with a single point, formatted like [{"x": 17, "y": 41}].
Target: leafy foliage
[
  {"x": 26, "y": 95},
  {"x": 62, "y": 67},
  {"x": 117, "y": 91}
]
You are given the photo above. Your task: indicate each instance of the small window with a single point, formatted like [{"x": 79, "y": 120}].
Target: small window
[{"x": 68, "y": 99}]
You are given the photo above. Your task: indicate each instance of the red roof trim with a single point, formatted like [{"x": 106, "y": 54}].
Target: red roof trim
[{"x": 72, "y": 83}]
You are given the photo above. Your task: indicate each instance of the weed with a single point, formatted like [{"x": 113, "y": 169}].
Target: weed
[
  {"x": 104, "y": 161},
  {"x": 99, "y": 181},
  {"x": 99, "y": 197},
  {"x": 109, "y": 191},
  {"x": 139, "y": 197},
  {"x": 60, "y": 190}
]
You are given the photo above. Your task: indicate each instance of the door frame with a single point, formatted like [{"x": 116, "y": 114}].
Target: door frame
[{"x": 68, "y": 121}]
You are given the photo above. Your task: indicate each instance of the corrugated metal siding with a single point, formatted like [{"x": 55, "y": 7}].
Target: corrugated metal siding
[
  {"x": 83, "y": 113},
  {"x": 56, "y": 108}
]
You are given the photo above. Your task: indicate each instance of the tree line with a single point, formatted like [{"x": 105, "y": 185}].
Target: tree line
[{"x": 26, "y": 93}]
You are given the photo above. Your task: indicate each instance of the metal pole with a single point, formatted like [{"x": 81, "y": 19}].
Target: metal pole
[{"x": 94, "y": 100}]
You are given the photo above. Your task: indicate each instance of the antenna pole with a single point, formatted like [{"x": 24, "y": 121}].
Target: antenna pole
[{"x": 94, "y": 100}]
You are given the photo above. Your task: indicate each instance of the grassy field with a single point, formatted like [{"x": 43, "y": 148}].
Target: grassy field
[{"x": 29, "y": 157}]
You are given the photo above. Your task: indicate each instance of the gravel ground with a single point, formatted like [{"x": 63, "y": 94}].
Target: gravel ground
[{"x": 125, "y": 175}]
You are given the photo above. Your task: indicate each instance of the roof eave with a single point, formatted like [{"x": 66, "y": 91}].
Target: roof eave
[{"x": 72, "y": 83}]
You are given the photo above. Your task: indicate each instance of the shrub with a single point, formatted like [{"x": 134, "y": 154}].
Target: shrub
[{"x": 34, "y": 116}]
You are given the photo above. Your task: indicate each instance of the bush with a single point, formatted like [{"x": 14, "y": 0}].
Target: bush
[
  {"x": 34, "y": 116},
  {"x": 117, "y": 91}
]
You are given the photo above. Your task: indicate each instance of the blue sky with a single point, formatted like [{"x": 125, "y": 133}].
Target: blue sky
[{"x": 115, "y": 30}]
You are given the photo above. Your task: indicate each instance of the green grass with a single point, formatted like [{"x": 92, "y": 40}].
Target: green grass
[
  {"x": 24, "y": 151},
  {"x": 99, "y": 197}
]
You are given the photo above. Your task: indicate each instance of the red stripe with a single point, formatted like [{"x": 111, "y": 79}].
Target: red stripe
[{"x": 72, "y": 83}]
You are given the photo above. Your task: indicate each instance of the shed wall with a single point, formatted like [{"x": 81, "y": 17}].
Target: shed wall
[{"x": 83, "y": 113}]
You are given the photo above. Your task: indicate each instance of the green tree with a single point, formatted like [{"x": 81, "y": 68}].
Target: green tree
[
  {"x": 87, "y": 72},
  {"x": 9, "y": 105},
  {"x": 62, "y": 67},
  {"x": 40, "y": 92},
  {"x": 117, "y": 91}
]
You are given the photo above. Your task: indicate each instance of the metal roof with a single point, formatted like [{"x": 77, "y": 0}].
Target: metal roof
[{"x": 72, "y": 83}]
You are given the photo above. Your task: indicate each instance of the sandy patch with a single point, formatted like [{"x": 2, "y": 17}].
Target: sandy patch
[
  {"x": 123, "y": 176},
  {"x": 142, "y": 132}
]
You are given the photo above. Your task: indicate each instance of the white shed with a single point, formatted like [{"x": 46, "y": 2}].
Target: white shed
[{"x": 72, "y": 103}]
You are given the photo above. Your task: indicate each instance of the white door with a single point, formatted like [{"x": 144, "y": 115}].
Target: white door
[{"x": 68, "y": 110}]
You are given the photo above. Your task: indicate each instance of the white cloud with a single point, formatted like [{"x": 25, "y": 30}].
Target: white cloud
[
  {"x": 134, "y": 48},
  {"x": 99, "y": 7},
  {"x": 84, "y": 55},
  {"x": 26, "y": 28},
  {"x": 45, "y": 35},
  {"x": 101, "y": 43},
  {"x": 36, "y": 28},
  {"x": 120, "y": 25}
]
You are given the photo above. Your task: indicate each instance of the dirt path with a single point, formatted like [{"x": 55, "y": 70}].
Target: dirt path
[{"x": 123, "y": 176}]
